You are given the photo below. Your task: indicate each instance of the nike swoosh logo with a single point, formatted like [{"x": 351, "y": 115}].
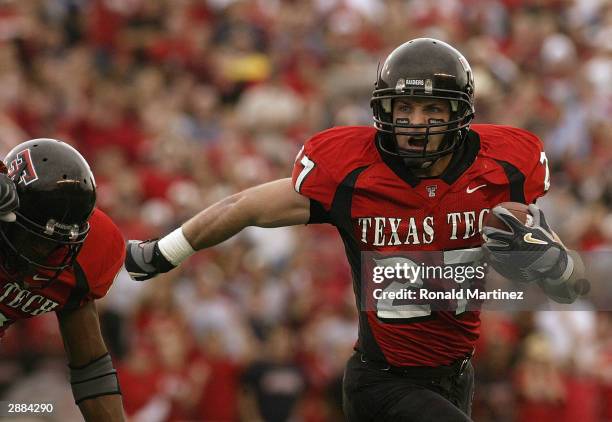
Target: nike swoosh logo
[
  {"x": 39, "y": 278},
  {"x": 468, "y": 190},
  {"x": 529, "y": 239}
]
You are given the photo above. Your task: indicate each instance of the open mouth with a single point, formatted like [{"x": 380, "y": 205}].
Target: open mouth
[
  {"x": 414, "y": 145},
  {"x": 417, "y": 142}
]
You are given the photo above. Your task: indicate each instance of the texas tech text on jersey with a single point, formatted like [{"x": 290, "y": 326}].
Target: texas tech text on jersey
[{"x": 410, "y": 231}]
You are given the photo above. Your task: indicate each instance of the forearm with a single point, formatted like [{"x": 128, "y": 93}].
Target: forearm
[
  {"x": 93, "y": 378},
  {"x": 217, "y": 223},
  {"x": 273, "y": 204},
  {"x": 103, "y": 409},
  {"x": 267, "y": 205}
]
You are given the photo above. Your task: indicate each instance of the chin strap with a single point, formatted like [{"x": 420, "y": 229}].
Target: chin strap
[{"x": 408, "y": 162}]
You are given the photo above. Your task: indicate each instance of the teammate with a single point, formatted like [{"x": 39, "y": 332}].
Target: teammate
[
  {"x": 59, "y": 253},
  {"x": 422, "y": 179}
]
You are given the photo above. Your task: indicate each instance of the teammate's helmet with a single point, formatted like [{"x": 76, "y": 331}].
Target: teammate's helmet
[
  {"x": 57, "y": 194},
  {"x": 423, "y": 68}
]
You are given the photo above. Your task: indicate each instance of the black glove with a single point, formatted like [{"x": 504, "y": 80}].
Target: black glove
[
  {"x": 144, "y": 260},
  {"x": 525, "y": 253},
  {"x": 9, "y": 201}
]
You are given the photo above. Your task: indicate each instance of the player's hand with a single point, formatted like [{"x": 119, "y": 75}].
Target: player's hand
[
  {"x": 144, "y": 260},
  {"x": 9, "y": 201},
  {"x": 526, "y": 253}
]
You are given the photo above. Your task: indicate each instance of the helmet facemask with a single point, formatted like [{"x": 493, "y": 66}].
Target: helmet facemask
[{"x": 35, "y": 249}]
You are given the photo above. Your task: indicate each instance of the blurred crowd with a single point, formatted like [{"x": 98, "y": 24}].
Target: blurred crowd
[{"x": 179, "y": 103}]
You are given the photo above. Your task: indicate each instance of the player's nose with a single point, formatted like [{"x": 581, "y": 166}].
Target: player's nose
[{"x": 417, "y": 117}]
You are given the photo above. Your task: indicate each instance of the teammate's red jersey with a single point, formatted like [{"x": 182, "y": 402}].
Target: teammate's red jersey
[
  {"x": 97, "y": 265},
  {"x": 377, "y": 204}
]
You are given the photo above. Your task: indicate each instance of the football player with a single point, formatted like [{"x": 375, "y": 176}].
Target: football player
[
  {"x": 58, "y": 253},
  {"x": 422, "y": 179}
]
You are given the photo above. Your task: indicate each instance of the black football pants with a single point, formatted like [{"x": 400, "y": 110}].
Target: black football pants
[{"x": 372, "y": 394}]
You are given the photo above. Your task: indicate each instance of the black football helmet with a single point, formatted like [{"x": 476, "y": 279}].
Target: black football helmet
[
  {"x": 423, "y": 68},
  {"x": 57, "y": 194}
]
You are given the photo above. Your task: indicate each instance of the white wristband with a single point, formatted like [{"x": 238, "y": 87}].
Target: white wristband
[{"x": 175, "y": 247}]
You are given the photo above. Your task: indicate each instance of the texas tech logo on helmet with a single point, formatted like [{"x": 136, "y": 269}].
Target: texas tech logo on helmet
[{"x": 23, "y": 168}]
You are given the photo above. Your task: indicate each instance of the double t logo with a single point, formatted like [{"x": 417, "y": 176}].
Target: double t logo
[{"x": 22, "y": 168}]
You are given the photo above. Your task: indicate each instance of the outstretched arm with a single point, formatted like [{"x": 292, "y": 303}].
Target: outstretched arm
[{"x": 273, "y": 204}]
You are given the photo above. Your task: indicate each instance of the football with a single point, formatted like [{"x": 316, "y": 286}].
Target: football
[{"x": 520, "y": 211}]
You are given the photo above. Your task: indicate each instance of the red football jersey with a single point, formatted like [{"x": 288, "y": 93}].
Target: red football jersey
[
  {"x": 98, "y": 263},
  {"x": 378, "y": 205}
]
